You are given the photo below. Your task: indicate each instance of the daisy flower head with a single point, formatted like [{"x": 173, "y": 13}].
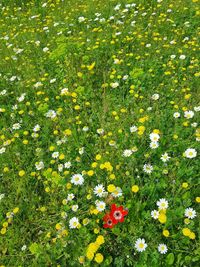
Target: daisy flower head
[
  {"x": 99, "y": 190},
  {"x": 117, "y": 192},
  {"x": 154, "y": 137},
  {"x": 154, "y": 214},
  {"x": 176, "y": 115},
  {"x": 190, "y": 213},
  {"x": 154, "y": 145},
  {"x": 189, "y": 114},
  {"x": 190, "y": 153},
  {"x": 162, "y": 248},
  {"x": 162, "y": 204},
  {"x": 73, "y": 223},
  {"x": 77, "y": 179},
  {"x": 127, "y": 153},
  {"x": 165, "y": 157},
  {"x": 155, "y": 96},
  {"x": 100, "y": 205},
  {"x": 148, "y": 168},
  {"x": 140, "y": 245}
]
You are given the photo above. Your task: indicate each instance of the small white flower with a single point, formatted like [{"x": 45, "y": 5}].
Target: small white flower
[
  {"x": 77, "y": 179},
  {"x": 148, "y": 168},
  {"x": 140, "y": 245},
  {"x": 67, "y": 165},
  {"x": 81, "y": 150},
  {"x": 197, "y": 108},
  {"x": 23, "y": 248},
  {"x": 165, "y": 157},
  {"x": 39, "y": 165},
  {"x": 162, "y": 204},
  {"x": 74, "y": 208},
  {"x": 70, "y": 197},
  {"x": 53, "y": 80},
  {"x": 85, "y": 128},
  {"x": 154, "y": 137},
  {"x": 45, "y": 49},
  {"x": 51, "y": 114},
  {"x": 127, "y": 153},
  {"x": 73, "y": 223},
  {"x": 64, "y": 91},
  {"x": 190, "y": 213},
  {"x": 99, "y": 190},
  {"x": 189, "y": 114},
  {"x": 36, "y": 128},
  {"x": 155, "y": 97},
  {"x": 162, "y": 248},
  {"x": 190, "y": 153},
  {"x": 16, "y": 126},
  {"x": 182, "y": 57},
  {"x": 2, "y": 196},
  {"x": 154, "y": 214},
  {"x": 100, "y": 131},
  {"x": 154, "y": 145},
  {"x": 133, "y": 129},
  {"x": 100, "y": 205},
  {"x": 176, "y": 115},
  {"x": 117, "y": 192},
  {"x": 81, "y": 19},
  {"x": 114, "y": 85},
  {"x": 2, "y": 150},
  {"x": 55, "y": 155}
]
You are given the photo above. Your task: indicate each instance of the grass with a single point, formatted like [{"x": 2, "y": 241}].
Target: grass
[{"x": 85, "y": 86}]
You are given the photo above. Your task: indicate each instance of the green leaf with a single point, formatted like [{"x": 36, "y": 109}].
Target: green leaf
[{"x": 170, "y": 259}]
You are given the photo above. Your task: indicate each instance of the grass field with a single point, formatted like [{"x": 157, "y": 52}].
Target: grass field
[{"x": 99, "y": 136}]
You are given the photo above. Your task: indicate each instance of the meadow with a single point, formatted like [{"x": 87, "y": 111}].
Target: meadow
[{"x": 99, "y": 133}]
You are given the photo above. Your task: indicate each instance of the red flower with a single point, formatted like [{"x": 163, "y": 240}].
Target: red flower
[
  {"x": 109, "y": 221},
  {"x": 118, "y": 213}
]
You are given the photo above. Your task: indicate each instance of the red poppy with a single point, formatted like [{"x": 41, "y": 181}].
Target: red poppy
[
  {"x": 109, "y": 221},
  {"x": 118, "y": 213}
]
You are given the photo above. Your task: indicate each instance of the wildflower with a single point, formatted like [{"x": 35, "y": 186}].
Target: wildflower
[
  {"x": 154, "y": 214},
  {"x": 190, "y": 153},
  {"x": 118, "y": 213},
  {"x": 190, "y": 213},
  {"x": 99, "y": 190},
  {"x": 162, "y": 204},
  {"x": 140, "y": 245},
  {"x": 148, "y": 168},
  {"x": 154, "y": 145},
  {"x": 176, "y": 115},
  {"x": 189, "y": 114},
  {"x": 109, "y": 220},
  {"x": 127, "y": 153},
  {"x": 165, "y": 157},
  {"x": 77, "y": 179},
  {"x": 100, "y": 205},
  {"x": 154, "y": 137},
  {"x": 135, "y": 188},
  {"x": 73, "y": 223},
  {"x": 98, "y": 258},
  {"x": 39, "y": 165},
  {"x": 162, "y": 248},
  {"x": 155, "y": 97}
]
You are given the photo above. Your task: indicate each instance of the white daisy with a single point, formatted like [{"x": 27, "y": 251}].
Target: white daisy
[
  {"x": 190, "y": 153},
  {"x": 154, "y": 137},
  {"x": 190, "y": 213},
  {"x": 117, "y": 192},
  {"x": 70, "y": 197},
  {"x": 162, "y": 204},
  {"x": 176, "y": 115},
  {"x": 154, "y": 214},
  {"x": 100, "y": 205},
  {"x": 189, "y": 114},
  {"x": 39, "y": 165},
  {"x": 155, "y": 96},
  {"x": 154, "y": 145},
  {"x": 148, "y": 168},
  {"x": 127, "y": 153},
  {"x": 67, "y": 165},
  {"x": 36, "y": 128},
  {"x": 73, "y": 223},
  {"x": 165, "y": 157},
  {"x": 99, "y": 190},
  {"x": 74, "y": 208},
  {"x": 140, "y": 244},
  {"x": 77, "y": 179},
  {"x": 133, "y": 129},
  {"x": 162, "y": 248}
]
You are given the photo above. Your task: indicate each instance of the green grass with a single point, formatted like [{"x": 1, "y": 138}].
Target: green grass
[{"x": 132, "y": 47}]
